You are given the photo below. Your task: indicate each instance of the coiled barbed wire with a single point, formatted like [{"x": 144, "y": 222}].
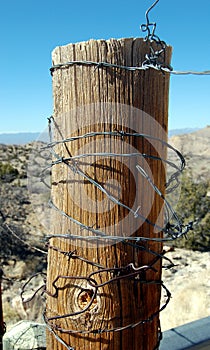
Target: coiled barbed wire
[
  {"x": 117, "y": 274},
  {"x": 172, "y": 231},
  {"x": 130, "y": 271},
  {"x": 154, "y": 60}
]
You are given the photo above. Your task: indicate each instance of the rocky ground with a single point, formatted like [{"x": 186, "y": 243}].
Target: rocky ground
[
  {"x": 21, "y": 239},
  {"x": 21, "y": 235},
  {"x": 189, "y": 284}
]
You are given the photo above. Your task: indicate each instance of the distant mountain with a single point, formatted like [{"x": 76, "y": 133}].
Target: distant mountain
[
  {"x": 23, "y": 138},
  {"x": 18, "y": 138},
  {"x": 181, "y": 131},
  {"x": 26, "y": 137}
]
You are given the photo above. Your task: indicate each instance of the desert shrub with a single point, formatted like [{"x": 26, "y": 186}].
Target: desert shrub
[
  {"x": 7, "y": 172},
  {"x": 10, "y": 313},
  {"x": 193, "y": 205}
]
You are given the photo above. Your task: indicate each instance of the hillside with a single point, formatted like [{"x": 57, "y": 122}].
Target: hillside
[
  {"x": 195, "y": 147},
  {"x": 19, "y": 259}
]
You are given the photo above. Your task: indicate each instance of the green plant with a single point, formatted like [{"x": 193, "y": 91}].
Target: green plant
[
  {"x": 193, "y": 205},
  {"x": 7, "y": 172}
]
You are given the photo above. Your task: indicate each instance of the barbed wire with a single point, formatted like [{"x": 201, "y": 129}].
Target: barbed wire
[
  {"x": 153, "y": 60},
  {"x": 172, "y": 230},
  {"x": 118, "y": 273},
  {"x": 144, "y": 67},
  {"x": 157, "y": 55},
  {"x": 73, "y": 254},
  {"x": 106, "y": 330},
  {"x": 23, "y": 241},
  {"x": 59, "y": 339},
  {"x": 138, "y": 274},
  {"x": 35, "y": 292},
  {"x": 130, "y": 272}
]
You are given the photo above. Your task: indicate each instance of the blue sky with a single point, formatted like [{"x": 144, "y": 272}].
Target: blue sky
[{"x": 30, "y": 30}]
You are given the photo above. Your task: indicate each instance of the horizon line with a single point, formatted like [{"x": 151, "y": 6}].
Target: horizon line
[{"x": 39, "y": 132}]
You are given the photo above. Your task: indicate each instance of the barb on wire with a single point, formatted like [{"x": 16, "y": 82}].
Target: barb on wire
[
  {"x": 172, "y": 231},
  {"x": 145, "y": 66},
  {"x": 73, "y": 255}
]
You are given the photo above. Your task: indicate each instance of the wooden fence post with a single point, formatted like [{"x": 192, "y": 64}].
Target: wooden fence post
[{"x": 89, "y": 98}]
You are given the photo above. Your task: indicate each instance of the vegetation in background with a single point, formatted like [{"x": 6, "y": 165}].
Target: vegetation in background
[
  {"x": 7, "y": 172},
  {"x": 193, "y": 205}
]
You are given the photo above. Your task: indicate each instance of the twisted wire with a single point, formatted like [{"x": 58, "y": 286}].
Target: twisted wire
[
  {"x": 172, "y": 230},
  {"x": 109, "y": 330},
  {"x": 144, "y": 67}
]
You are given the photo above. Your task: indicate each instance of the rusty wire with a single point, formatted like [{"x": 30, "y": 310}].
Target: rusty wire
[
  {"x": 118, "y": 273},
  {"x": 35, "y": 292},
  {"x": 108, "y": 330},
  {"x": 130, "y": 272}
]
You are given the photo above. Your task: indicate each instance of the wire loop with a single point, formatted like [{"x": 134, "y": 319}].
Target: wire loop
[{"x": 157, "y": 55}]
